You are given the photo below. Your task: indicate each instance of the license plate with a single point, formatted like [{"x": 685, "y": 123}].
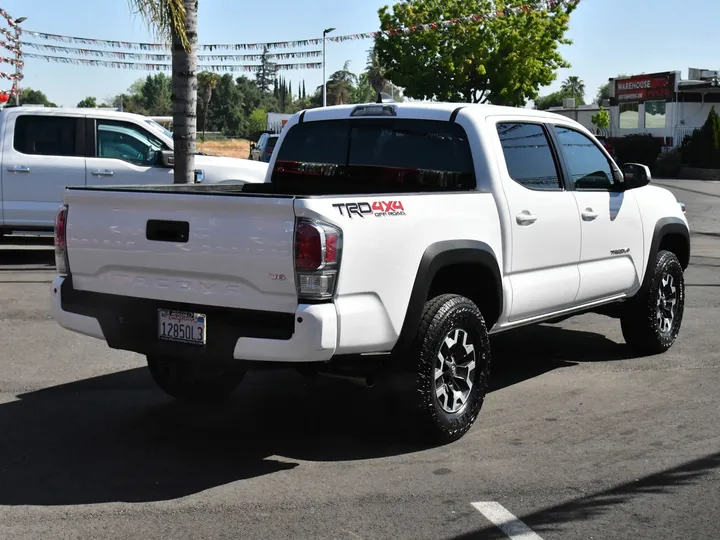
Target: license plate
[{"x": 182, "y": 326}]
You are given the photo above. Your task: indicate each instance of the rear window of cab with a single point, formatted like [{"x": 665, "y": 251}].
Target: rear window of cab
[{"x": 374, "y": 155}]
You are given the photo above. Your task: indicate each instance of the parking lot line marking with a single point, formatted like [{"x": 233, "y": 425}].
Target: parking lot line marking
[{"x": 505, "y": 521}]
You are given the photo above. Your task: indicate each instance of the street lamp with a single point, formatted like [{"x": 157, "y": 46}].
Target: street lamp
[
  {"x": 17, "y": 57},
  {"x": 325, "y": 33}
]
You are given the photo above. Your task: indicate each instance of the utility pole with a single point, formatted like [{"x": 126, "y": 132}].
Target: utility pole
[
  {"x": 325, "y": 33},
  {"x": 18, "y": 58}
]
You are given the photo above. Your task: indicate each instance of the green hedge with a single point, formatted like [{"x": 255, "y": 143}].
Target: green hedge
[
  {"x": 640, "y": 148},
  {"x": 702, "y": 148},
  {"x": 668, "y": 164}
]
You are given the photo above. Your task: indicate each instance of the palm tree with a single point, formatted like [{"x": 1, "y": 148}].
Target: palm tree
[
  {"x": 375, "y": 71},
  {"x": 574, "y": 86},
  {"x": 340, "y": 85},
  {"x": 176, "y": 21}
]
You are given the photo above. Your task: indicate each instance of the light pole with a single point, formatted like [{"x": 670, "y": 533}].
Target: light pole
[
  {"x": 17, "y": 58},
  {"x": 325, "y": 33}
]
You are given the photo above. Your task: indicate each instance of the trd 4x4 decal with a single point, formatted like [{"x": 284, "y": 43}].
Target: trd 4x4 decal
[{"x": 377, "y": 209}]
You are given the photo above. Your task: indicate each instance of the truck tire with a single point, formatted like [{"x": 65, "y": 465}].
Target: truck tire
[
  {"x": 194, "y": 381},
  {"x": 651, "y": 320},
  {"x": 451, "y": 352}
]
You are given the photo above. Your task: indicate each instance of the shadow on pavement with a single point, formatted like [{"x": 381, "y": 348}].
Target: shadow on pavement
[
  {"x": 40, "y": 255},
  {"x": 546, "y": 343},
  {"x": 117, "y": 438},
  {"x": 595, "y": 505}
]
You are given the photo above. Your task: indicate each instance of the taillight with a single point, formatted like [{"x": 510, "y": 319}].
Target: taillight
[
  {"x": 61, "y": 255},
  {"x": 318, "y": 247}
]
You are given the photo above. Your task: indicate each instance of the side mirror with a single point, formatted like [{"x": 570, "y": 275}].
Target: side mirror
[
  {"x": 167, "y": 158},
  {"x": 636, "y": 175}
]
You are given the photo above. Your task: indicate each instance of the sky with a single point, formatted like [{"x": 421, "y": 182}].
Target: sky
[{"x": 609, "y": 37}]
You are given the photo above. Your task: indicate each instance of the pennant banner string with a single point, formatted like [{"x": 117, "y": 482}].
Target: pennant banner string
[
  {"x": 165, "y": 57},
  {"x": 13, "y": 61},
  {"x": 548, "y": 4},
  {"x": 13, "y": 45},
  {"x": 168, "y": 67}
]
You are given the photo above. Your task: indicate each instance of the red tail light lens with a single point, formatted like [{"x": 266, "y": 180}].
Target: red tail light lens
[
  {"x": 308, "y": 247},
  {"x": 318, "y": 248},
  {"x": 61, "y": 257}
]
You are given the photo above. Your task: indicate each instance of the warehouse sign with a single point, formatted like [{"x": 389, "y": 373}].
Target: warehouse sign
[{"x": 657, "y": 86}]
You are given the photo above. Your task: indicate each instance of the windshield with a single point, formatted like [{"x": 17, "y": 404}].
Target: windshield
[{"x": 160, "y": 127}]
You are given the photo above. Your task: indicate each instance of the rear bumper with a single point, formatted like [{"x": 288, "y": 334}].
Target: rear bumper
[{"x": 308, "y": 335}]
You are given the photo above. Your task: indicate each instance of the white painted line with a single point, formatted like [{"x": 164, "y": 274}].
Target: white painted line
[{"x": 505, "y": 521}]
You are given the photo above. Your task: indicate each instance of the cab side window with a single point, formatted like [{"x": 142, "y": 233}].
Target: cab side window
[
  {"x": 529, "y": 159},
  {"x": 589, "y": 168},
  {"x": 127, "y": 142},
  {"x": 46, "y": 135}
]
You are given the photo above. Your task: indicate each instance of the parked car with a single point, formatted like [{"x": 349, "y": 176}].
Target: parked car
[
  {"x": 394, "y": 235},
  {"x": 43, "y": 150},
  {"x": 262, "y": 151}
]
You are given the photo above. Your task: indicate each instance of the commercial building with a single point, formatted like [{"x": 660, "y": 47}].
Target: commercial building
[{"x": 660, "y": 104}]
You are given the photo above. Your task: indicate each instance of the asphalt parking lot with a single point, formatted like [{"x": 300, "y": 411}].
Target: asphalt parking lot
[{"x": 577, "y": 439}]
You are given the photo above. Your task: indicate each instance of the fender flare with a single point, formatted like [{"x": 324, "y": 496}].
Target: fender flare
[
  {"x": 664, "y": 227},
  {"x": 437, "y": 256}
]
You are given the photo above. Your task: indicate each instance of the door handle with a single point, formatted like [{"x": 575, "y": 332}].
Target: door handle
[
  {"x": 589, "y": 214},
  {"x": 102, "y": 173},
  {"x": 525, "y": 218},
  {"x": 19, "y": 169}
]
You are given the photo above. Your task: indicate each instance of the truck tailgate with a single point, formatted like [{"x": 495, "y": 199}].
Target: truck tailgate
[{"x": 232, "y": 251}]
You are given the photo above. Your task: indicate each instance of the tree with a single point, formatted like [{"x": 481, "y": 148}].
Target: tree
[
  {"x": 603, "y": 93},
  {"x": 375, "y": 71},
  {"x": 556, "y": 100},
  {"x": 88, "y": 103},
  {"x": 207, "y": 81},
  {"x": 702, "y": 148},
  {"x": 176, "y": 21},
  {"x": 574, "y": 86},
  {"x": 225, "y": 112},
  {"x": 601, "y": 120},
  {"x": 340, "y": 85},
  {"x": 258, "y": 121},
  {"x": 504, "y": 59},
  {"x": 249, "y": 94},
  {"x": 266, "y": 74},
  {"x": 155, "y": 94},
  {"x": 28, "y": 96}
]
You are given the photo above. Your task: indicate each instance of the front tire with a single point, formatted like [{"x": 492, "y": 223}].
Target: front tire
[
  {"x": 451, "y": 354},
  {"x": 188, "y": 380},
  {"x": 651, "y": 321}
]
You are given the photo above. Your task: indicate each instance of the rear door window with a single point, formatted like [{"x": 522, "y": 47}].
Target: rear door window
[
  {"x": 46, "y": 135},
  {"x": 374, "y": 156}
]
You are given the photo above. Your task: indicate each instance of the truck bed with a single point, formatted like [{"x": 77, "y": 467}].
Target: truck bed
[{"x": 184, "y": 189}]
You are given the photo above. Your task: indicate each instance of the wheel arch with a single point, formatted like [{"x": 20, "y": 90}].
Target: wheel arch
[
  {"x": 467, "y": 267},
  {"x": 672, "y": 234}
]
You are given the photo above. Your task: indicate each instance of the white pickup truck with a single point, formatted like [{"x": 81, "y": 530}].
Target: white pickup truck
[
  {"x": 407, "y": 232},
  {"x": 43, "y": 150}
]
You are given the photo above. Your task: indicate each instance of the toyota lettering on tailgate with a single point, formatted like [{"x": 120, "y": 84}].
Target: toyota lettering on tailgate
[{"x": 377, "y": 209}]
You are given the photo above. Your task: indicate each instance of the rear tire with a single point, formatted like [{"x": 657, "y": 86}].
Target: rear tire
[
  {"x": 187, "y": 380},
  {"x": 651, "y": 321},
  {"x": 451, "y": 356}
]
